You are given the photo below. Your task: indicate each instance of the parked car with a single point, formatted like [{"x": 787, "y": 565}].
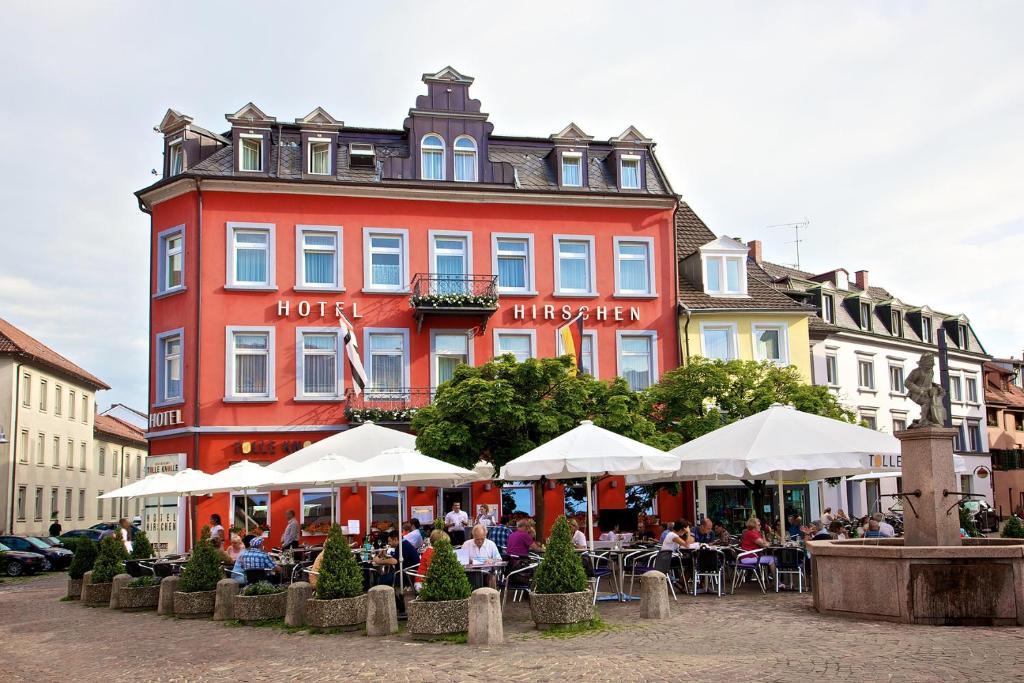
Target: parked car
[
  {"x": 105, "y": 526},
  {"x": 91, "y": 534},
  {"x": 52, "y": 541},
  {"x": 18, "y": 563},
  {"x": 54, "y": 559},
  {"x": 985, "y": 517}
]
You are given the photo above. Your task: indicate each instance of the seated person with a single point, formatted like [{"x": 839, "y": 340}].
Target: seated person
[
  {"x": 613, "y": 535},
  {"x": 428, "y": 554},
  {"x": 499, "y": 533},
  {"x": 837, "y": 530},
  {"x": 817, "y": 533},
  {"x": 235, "y": 548},
  {"x": 705, "y": 531},
  {"x": 521, "y": 541},
  {"x": 678, "y": 537},
  {"x": 873, "y": 531},
  {"x": 579, "y": 540},
  {"x": 752, "y": 539},
  {"x": 722, "y": 535},
  {"x": 410, "y": 557},
  {"x": 411, "y": 529},
  {"x": 643, "y": 533},
  {"x": 253, "y": 557},
  {"x": 481, "y": 549}
]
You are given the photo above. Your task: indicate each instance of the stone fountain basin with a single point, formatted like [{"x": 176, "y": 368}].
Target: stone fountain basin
[{"x": 978, "y": 583}]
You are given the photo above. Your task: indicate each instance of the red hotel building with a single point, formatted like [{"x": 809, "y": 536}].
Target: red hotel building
[{"x": 263, "y": 234}]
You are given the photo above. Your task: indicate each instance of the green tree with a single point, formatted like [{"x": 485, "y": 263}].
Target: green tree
[
  {"x": 502, "y": 409},
  {"x": 1013, "y": 528},
  {"x": 202, "y": 571},
  {"x": 142, "y": 549},
  {"x": 561, "y": 570},
  {"x": 84, "y": 558},
  {"x": 340, "y": 575},
  {"x": 446, "y": 578},
  {"x": 110, "y": 560}
]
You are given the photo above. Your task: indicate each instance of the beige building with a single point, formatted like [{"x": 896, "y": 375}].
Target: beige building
[{"x": 119, "y": 451}]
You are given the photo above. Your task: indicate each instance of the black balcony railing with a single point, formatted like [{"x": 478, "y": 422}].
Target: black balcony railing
[
  {"x": 439, "y": 294},
  {"x": 386, "y": 405},
  {"x": 1007, "y": 459}
]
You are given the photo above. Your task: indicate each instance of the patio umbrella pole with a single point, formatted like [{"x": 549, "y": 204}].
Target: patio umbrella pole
[
  {"x": 245, "y": 509},
  {"x": 401, "y": 574},
  {"x": 590, "y": 516},
  {"x": 782, "y": 504}
]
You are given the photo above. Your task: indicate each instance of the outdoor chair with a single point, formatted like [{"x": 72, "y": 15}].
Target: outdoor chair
[
  {"x": 257, "y": 575},
  {"x": 597, "y": 567},
  {"x": 748, "y": 563},
  {"x": 413, "y": 577},
  {"x": 518, "y": 581},
  {"x": 663, "y": 563},
  {"x": 789, "y": 561},
  {"x": 637, "y": 564},
  {"x": 709, "y": 564}
]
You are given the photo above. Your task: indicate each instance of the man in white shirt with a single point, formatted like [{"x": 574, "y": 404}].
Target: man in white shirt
[
  {"x": 455, "y": 522},
  {"x": 884, "y": 528},
  {"x": 411, "y": 529},
  {"x": 290, "y": 537},
  {"x": 481, "y": 550}
]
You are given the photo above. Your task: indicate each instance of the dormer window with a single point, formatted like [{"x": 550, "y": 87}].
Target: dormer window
[
  {"x": 319, "y": 156},
  {"x": 961, "y": 336},
  {"x": 251, "y": 153},
  {"x": 629, "y": 172},
  {"x": 572, "y": 166},
  {"x": 865, "y": 316},
  {"x": 724, "y": 275},
  {"x": 828, "y": 308},
  {"x": 432, "y": 157},
  {"x": 465, "y": 159},
  {"x": 897, "y": 324},
  {"x": 176, "y": 158},
  {"x": 926, "y": 330}
]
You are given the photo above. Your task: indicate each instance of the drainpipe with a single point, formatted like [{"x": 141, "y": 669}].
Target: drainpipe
[
  {"x": 685, "y": 342},
  {"x": 13, "y": 440},
  {"x": 197, "y": 358}
]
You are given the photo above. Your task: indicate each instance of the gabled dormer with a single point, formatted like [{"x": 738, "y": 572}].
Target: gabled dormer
[
  {"x": 628, "y": 160},
  {"x": 319, "y": 140},
  {"x": 892, "y": 314},
  {"x": 570, "y": 157},
  {"x": 958, "y": 331},
  {"x": 250, "y": 134},
  {"x": 719, "y": 268},
  {"x": 922, "y": 321},
  {"x": 174, "y": 127},
  {"x": 825, "y": 299},
  {"x": 861, "y": 308},
  {"x": 840, "y": 278}
]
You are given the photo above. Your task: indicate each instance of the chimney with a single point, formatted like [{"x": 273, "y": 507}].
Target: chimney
[
  {"x": 861, "y": 278},
  {"x": 755, "y": 250}
]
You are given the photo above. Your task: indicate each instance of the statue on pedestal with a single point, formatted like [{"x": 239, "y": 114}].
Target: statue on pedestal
[{"x": 926, "y": 393}]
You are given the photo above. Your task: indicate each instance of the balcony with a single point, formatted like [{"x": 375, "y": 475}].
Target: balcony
[
  {"x": 386, "y": 406},
  {"x": 435, "y": 294}
]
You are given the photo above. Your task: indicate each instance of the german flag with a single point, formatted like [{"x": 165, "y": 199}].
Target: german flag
[{"x": 571, "y": 335}]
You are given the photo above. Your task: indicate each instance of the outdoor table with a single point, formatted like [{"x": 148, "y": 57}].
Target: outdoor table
[
  {"x": 498, "y": 567},
  {"x": 615, "y": 563}
]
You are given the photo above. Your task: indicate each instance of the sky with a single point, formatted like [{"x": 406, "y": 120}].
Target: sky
[{"x": 895, "y": 129}]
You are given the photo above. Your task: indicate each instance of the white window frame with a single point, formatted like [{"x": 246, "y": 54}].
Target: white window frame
[
  {"x": 591, "y": 264},
  {"x": 58, "y": 400},
  {"x": 243, "y": 137},
  {"x": 531, "y": 277},
  {"x": 783, "y": 330},
  {"x": 456, "y": 153},
  {"x": 970, "y": 379},
  {"x": 444, "y": 156},
  {"x": 866, "y": 322},
  {"x": 464, "y": 235},
  {"x": 896, "y": 320},
  {"x": 403, "y": 261},
  {"x": 229, "y": 365},
  {"x": 470, "y": 360},
  {"x": 175, "y": 157},
  {"x": 724, "y": 259},
  {"x": 301, "y": 285},
  {"x": 592, "y": 335},
  {"x": 863, "y": 414},
  {"x": 874, "y": 380},
  {"x": 828, "y": 308},
  {"x": 639, "y": 167},
  {"x": 162, "y": 288},
  {"x": 302, "y": 506},
  {"x": 70, "y": 463},
  {"x": 368, "y": 356},
  {"x": 309, "y": 155},
  {"x": 652, "y": 335},
  {"x": 732, "y": 328},
  {"x": 903, "y": 377},
  {"x": 518, "y": 331},
  {"x": 927, "y": 325},
  {"x": 578, "y": 158},
  {"x": 339, "y": 364},
  {"x": 250, "y": 494},
  {"x": 270, "y": 284},
  {"x": 834, "y": 357},
  {"x": 617, "y": 242},
  {"x": 162, "y": 399},
  {"x": 958, "y": 378},
  {"x": 43, "y": 385}
]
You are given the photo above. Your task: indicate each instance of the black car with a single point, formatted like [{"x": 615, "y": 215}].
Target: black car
[
  {"x": 18, "y": 563},
  {"x": 75, "y": 534},
  {"x": 55, "y": 559}
]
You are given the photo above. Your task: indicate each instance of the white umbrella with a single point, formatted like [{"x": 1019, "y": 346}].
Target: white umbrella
[
  {"x": 141, "y": 489},
  {"x": 181, "y": 483},
  {"x": 589, "y": 450},
  {"x": 960, "y": 466},
  {"x": 328, "y": 470},
  {"x": 241, "y": 476}
]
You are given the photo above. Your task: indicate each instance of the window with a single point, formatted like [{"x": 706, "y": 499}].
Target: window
[
  {"x": 465, "y": 159},
  {"x": 828, "y": 308},
  {"x": 865, "y": 316},
  {"x": 22, "y": 495},
  {"x": 926, "y": 330},
  {"x": 956, "y": 393},
  {"x": 961, "y": 334},
  {"x": 958, "y": 437},
  {"x": 384, "y": 504},
  {"x": 169, "y": 367},
  {"x": 82, "y": 448},
  {"x": 450, "y": 256},
  {"x": 23, "y": 447},
  {"x": 176, "y": 158},
  {"x": 629, "y": 172},
  {"x": 432, "y": 157},
  {"x": 319, "y": 263},
  {"x": 251, "y": 256},
  {"x": 869, "y": 420},
  {"x": 897, "y": 324},
  {"x": 896, "y": 379},
  {"x": 85, "y": 408},
  {"x": 316, "y": 512},
  {"x": 724, "y": 275},
  {"x": 899, "y": 424},
  {"x": 972, "y": 389},
  {"x": 71, "y": 405},
  {"x": 719, "y": 341},
  {"x": 251, "y": 158},
  {"x": 866, "y": 373},
  {"x": 53, "y": 502},
  {"x": 449, "y": 350},
  {"x": 572, "y": 166},
  {"x": 770, "y": 343},
  {"x": 115, "y": 462},
  {"x": 138, "y": 467},
  {"x": 588, "y": 353},
  {"x": 831, "y": 369},
  {"x": 41, "y": 449},
  {"x": 56, "y": 451},
  {"x": 38, "y": 505},
  {"x": 250, "y": 363},
  {"x": 513, "y": 263},
  {"x": 319, "y": 371},
  {"x": 81, "y": 503},
  {"x": 974, "y": 436},
  {"x": 574, "y": 268},
  {"x": 388, "y": 356},
  {"x": 71, "y": 454},
  {"x": 249, "y": 512},
  {"x": 26, "y": 388},
  {"x": 101, "y": 463},
  {"x": 638, "y": 359},
  {"x": 319, "y": 156},
  {"x": 634, "y": 266},
  {"x": 42, "y": 395},
  {"x": 67, "y": 503},
  {"x": 517, "y": 342},
  {"x": 517, "y": 499},
  {"x": 58, "y": 399},
  {"x": 171, "y": 260},
  {"x": 386, "y": 266},
  {"x": 99, "y": 507}
]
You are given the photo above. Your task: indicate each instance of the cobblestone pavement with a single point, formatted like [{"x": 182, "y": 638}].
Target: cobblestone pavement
[{"x": 734, "y": 638}]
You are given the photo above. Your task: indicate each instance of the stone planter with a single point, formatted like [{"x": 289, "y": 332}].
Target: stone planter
[
  {"x": 347, "y": 614},
  {"x": 561, "y": 608},
  {"x": 429, "y": 619},
  {"x": 96, "y": 594},
  {"x": 259, "y": 607},
  {"x": 75, "y": 588},
  {"x": 198, "y": 605},
  {"x": 139, "y": 599}
]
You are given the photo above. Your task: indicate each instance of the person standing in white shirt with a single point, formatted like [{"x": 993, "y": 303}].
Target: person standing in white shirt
[
  {"x": 455, "y": 522},
  {"x": 484, "y": 516},
  {"x": 126, "y": 534}
]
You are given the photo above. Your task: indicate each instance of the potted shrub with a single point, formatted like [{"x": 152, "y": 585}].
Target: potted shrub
[
  {"x": 442, "y": 607},
  {"x": 142, "y": 549},
  {"x": 259, "y": 601},
  {"x": 1013, "y": 528},
  {"x": 561, "y": 593},
  {"x": 82, "y": 562},
  {"x": 140, "y": 594},
  {"x": 339, "y": 601},
  {"x": 197, "y": 589},
  {"x": 109, "y": 563}
]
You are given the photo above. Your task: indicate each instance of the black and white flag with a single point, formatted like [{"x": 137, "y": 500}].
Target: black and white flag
[{"x": 352, "y": 351}]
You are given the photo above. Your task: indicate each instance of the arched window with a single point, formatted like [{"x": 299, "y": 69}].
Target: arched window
[
  {"x": 432, "y": 157},
  {"x": 465, "y": 159}
]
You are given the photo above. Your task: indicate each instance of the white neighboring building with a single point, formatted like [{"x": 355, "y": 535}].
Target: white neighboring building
[
  {"x": 128, "y": 414},
  {"x": 873, "y": 342}
]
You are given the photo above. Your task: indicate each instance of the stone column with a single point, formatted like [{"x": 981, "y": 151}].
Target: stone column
[
  {"x": 381, "y": 611},
  {"x": 654, "y": 596},
  {"x": 224, "y": 605},
  {"x": 168, "y": 586},
  {"x": 927, "y": 464},
  {"x": 485, "y": 627},
  {"x": 120, "y": 581},
  {"x": 298, "y": 593}
]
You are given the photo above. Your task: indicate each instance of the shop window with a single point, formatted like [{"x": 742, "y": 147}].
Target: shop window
[
  {"x": 251, "y": 511},
  {"x": 517, "y": 499},
  {"x": 316, "y": 512}
]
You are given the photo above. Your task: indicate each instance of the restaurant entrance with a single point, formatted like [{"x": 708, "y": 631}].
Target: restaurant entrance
[{"x": 456, "y": 495}]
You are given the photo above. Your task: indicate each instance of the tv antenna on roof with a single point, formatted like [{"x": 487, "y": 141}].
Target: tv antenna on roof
[{"x": 797, "y": 227}]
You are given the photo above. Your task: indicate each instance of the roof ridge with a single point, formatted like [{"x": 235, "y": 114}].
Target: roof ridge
[{"x": 19, "y": 341}]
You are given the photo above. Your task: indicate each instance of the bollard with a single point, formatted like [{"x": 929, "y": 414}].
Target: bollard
[
  {"x": 120, "y": 581},
  {"x": 381, "y": 611},
  {"x": 485, "y": 627},
  {"x": 168, "y": 586},
  {"x": 298, "y": 593},
  {"x": 653, "y": 596},
  {"x": 224, "y": 604},
  {"x": 87, "y": 578}
]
